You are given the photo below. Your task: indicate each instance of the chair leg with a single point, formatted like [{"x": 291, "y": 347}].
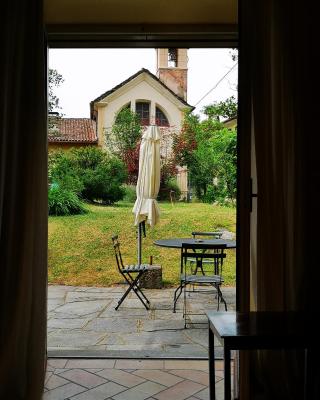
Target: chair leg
[
  {"x": 185, "y": 305},
  {"x": 175, "y": 298},
  {"x": 136, "y": 288},
  {"x": 123, "y": 297},
  {"x": 133, "y": 286},
  {"x": 220, "y": 296}
]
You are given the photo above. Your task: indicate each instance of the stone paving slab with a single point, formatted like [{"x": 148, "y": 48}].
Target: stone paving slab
[{"x": 83, "y": 319}]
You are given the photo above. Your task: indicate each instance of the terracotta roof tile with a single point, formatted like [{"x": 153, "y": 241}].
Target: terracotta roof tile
[{"x": 71, "y": 130}]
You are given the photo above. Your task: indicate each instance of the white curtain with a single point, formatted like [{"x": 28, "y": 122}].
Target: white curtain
[{"x": 23, "y": 200}]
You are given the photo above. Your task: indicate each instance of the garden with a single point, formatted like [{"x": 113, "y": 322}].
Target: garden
[{"x": 91, "y": 196}]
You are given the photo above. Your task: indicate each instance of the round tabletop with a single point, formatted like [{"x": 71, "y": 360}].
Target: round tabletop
[{"x": 176, "y": 243}]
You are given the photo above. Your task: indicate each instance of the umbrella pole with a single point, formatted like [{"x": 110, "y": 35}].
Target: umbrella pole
[{"x": 139, "y": 242}]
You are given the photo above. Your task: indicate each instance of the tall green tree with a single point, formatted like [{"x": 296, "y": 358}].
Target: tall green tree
[
  {"x": 124, "y": 140},
  {"x": 208, "y": 149}
]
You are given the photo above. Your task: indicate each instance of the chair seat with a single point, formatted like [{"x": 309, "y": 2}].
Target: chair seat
[
  {"x": 194, "y": 260},
  {"x": 136, "y": 268},
  {"x": 201, "y": 279}
]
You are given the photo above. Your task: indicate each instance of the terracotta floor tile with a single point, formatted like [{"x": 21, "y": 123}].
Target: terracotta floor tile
[
  {"x": 55, "y": 381},
  {"x": 90, "y": 363},
  {"x": 57, "y": 362},
  {"x": 63, "y": 392},
  {"x": 193, "y": 375},
  {"x": 121, "y": 377},
  {"x": 180, "y": 391},
  {"x": 83, "y": 378},
  {"x": 156, "y": 375},
  {"x": 139, "y": 364},
  {"x": 141, "y": 392},
  {"x": 203, "y": 395},
  {"x": 186, "y": 364},
  {"x": 101, "y": 392}
]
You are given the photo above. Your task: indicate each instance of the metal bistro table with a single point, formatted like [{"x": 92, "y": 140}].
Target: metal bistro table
[{"x": 176, "y": 243}]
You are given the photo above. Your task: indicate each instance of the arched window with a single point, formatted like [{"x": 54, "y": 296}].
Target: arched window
[
  {"x": 143, "y": 110},
  {"x": 161, "y": 119}
]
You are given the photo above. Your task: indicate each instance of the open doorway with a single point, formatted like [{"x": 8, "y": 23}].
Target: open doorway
[{"x": 83, "y": 280}]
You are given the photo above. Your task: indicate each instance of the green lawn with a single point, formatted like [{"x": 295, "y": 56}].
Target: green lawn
[{"x": 81, "y": 252}]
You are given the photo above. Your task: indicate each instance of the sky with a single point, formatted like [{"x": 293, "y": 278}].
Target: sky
[{"x": 88, "y": 73}]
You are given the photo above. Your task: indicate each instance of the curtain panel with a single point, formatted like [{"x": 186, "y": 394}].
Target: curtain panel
[
  {"x": 23, "y": 200},
  {"x": 275, "y": 42}
]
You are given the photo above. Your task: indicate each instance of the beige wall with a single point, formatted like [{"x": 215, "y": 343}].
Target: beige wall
[
  {"x": 139, "y": 89},
  {"x": 182, "y": 180}
]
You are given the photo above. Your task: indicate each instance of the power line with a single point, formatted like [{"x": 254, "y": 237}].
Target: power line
[{"x": 219, "y": 81}]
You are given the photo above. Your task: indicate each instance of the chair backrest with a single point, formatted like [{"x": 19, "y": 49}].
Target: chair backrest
[
  {"x": 212, "y": 235},
  {"x": 116, "y": 246},
  {"x": 200, "y": 252}
]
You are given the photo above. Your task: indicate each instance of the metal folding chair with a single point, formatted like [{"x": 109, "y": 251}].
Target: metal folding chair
[
  {"x": 205, "y": 262},
  {"x": 189, "y": 278},
  {"x": 132, "y": 274}
]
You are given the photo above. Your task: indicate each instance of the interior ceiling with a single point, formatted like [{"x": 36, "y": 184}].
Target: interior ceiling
[{"x": 141, "y": 12}]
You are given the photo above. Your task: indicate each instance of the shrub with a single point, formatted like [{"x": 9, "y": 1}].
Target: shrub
[
  {"x": 218, "y": 194},
  {"x": 89, "y": 172},
  {"x": 130, "y": 194},
  {"x": 62, "y": 171},
  {"x": 167, "y": 187},
  {"x": 102, "y": 175},
  {"x": 64, "y": 202}
]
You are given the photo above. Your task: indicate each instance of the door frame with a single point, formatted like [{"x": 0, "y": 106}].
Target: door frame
[{"x": 183, "y": 36}]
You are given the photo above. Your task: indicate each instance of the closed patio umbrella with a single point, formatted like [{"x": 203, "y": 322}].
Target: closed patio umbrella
[{"x": 146, "y": 208}]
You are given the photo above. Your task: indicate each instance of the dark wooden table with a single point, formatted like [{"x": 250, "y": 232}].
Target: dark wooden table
[
  {"x": 176, "y": 243},
  {"x": 253, "y": 331}
]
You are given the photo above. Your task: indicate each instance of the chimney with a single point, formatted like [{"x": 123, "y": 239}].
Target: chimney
[{"x": 172, "y": 69}]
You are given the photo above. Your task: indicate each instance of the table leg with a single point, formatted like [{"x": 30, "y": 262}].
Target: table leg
[
  {"x": 212, "y": 379},
  {"x": 227, "y": 373}
]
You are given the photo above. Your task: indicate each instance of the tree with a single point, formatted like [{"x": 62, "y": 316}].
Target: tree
[
  {"x": 184, "y": 142},
  {"x": 124, "y": 141},
  {"x": 224, "y": 109},
  {"x": 54, "y": 80},
  {"x": 209, "y": 151}
]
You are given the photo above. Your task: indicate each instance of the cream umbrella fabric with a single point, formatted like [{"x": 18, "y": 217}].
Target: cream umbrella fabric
[{"x": 146, "y": 207}]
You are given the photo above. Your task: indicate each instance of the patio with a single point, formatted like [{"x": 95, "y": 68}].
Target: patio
[{"x": 82, "y": 322}]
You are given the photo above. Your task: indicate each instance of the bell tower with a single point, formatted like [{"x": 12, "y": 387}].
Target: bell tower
[{"x": 172, "y": 69}]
